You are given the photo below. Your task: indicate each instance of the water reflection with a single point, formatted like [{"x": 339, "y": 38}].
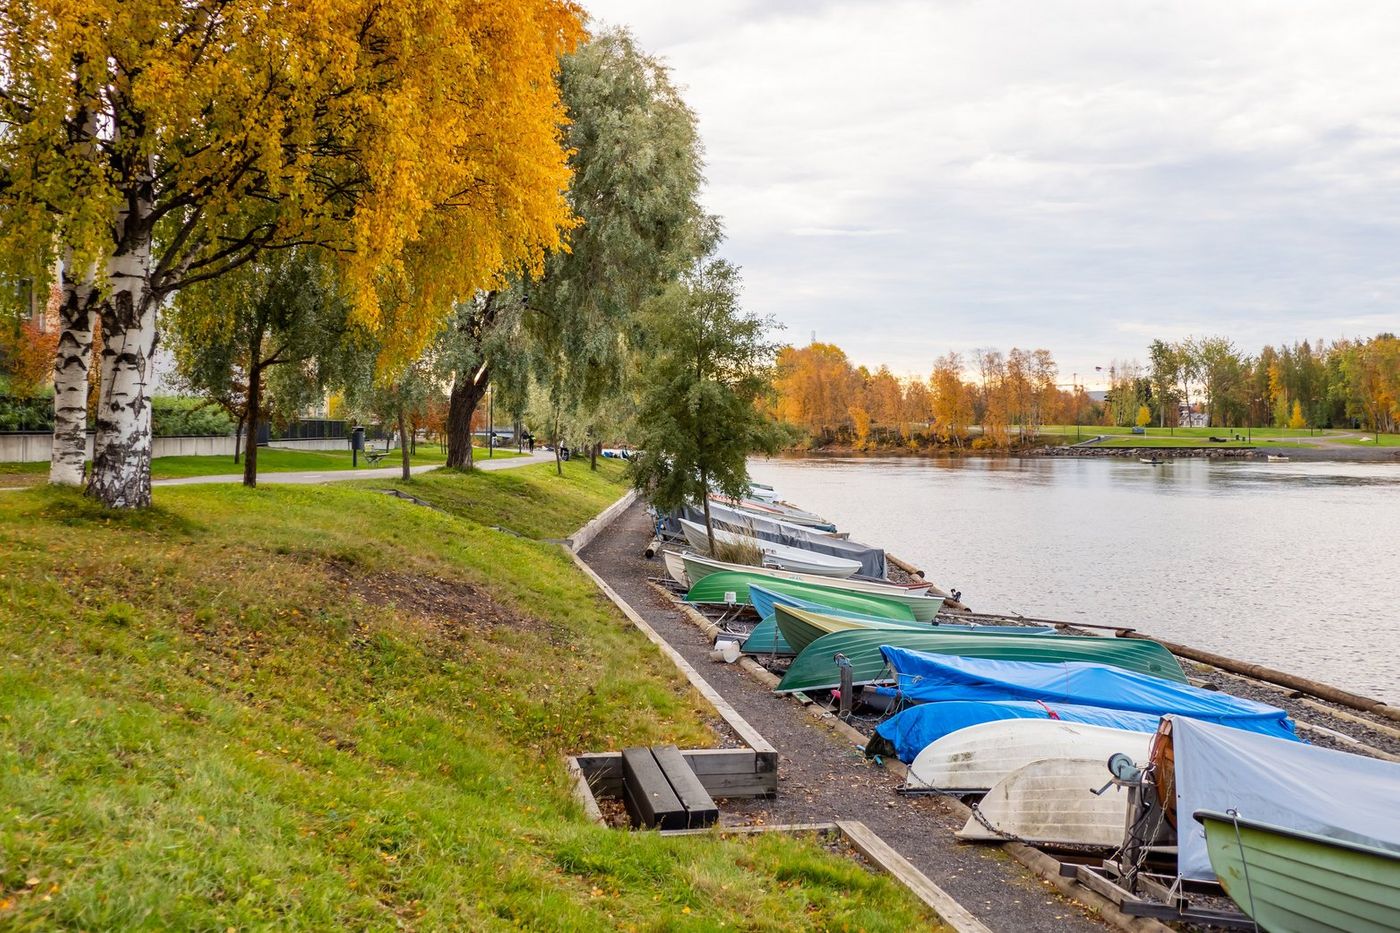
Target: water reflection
[{"x": 1296, "y": 565}]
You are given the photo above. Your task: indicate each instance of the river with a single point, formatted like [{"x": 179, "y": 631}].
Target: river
[{"x": 1293, "y": 565}]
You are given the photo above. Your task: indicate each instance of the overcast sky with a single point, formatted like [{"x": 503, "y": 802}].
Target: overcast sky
[{"x": 906, "y": 179}]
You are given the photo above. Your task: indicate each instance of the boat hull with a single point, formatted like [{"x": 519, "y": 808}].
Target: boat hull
[
  {"x": 921, "y": 605},
  {"x": 717, "y": 588},
  {"x": 974, "y": 759},
  {"x": 814, "y": 668},
  {"x": 675, "y": 567},
  {"x": 1052, "y": 802},
  {"x": 779, "y": 556},
  {"x": 1301, "y": 882}
]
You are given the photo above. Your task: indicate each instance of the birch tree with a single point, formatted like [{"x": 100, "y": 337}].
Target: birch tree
[{"x": 166, "y": 143}]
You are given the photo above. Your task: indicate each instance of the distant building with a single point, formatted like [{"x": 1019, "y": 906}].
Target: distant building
[{"x": 1188, "y": 416}]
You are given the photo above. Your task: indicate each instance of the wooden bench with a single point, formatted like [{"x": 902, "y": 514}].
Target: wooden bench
[{"x": 661, "y": 790}]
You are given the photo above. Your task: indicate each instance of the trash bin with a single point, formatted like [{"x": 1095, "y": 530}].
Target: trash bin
[
  {"x": 563, "y": 452},
  {"x": 357, "y": 437}
]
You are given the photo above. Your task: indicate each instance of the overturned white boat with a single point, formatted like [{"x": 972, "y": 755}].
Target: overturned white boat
[
  {"x": 1052, "y": 802},
  {"x": 675, "y": 567},
  {"x": 779, "y": 556},
  {"x": 973, "y": 759}
]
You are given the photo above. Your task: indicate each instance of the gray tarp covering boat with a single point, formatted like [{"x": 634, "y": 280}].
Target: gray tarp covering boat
[
  {"x": 1288, "y": 784},
  {"x": 871, "y": 559}
]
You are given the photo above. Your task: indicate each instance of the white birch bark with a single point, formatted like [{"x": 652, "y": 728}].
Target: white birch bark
[
  {"x": 70, "y": 375},
  {"x": 121, "y": 461}
]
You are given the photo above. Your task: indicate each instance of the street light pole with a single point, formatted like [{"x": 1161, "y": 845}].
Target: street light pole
[{"x": 491, "y": 418}]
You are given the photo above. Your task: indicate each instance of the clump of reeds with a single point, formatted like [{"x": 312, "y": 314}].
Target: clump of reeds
[{"x": 742, "y": 551}]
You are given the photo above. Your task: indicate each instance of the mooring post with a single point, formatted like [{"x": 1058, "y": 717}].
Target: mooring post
[{"x": 843, "y": 664}]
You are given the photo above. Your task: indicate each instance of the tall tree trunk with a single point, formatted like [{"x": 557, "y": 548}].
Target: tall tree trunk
[
  {"x": 403, "y": 444},
  {"x": 250, "y": 457},
  {"x": 705, "y": 499},
  {"x": 71, "y": 365},
  {"x": 121, "y": 463},
  {"x": 593, "y": 455},
  {"x": 461, "y": 406},
  {"x": 558, "y": 460}
]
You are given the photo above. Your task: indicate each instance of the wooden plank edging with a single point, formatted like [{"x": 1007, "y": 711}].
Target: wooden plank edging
[
  {"x": 892, "y": 863},
  {"x": 741, "y": 727}
]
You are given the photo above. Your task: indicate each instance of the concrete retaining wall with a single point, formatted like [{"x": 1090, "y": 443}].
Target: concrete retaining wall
[{"x": 37, "y": 446}]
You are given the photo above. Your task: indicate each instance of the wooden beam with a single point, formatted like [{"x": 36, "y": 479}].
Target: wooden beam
[
  {"x": 583, "y": 793},
  {"x": 939, "y": 901}
]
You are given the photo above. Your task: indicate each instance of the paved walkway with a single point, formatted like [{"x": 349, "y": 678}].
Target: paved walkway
[{"x": 822, "y": 778}]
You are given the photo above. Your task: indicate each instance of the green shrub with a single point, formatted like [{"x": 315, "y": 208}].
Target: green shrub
[{"x": 174, "y": 416}]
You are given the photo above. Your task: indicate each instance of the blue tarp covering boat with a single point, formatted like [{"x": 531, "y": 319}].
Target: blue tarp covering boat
[
  {"x": 924, "y": 677},
  {"x": 911, "y": 731},
  {"x": 1298, "y": 787}
]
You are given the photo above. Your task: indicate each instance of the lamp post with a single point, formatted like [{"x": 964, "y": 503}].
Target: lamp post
[{"x": 491, "y": 421}]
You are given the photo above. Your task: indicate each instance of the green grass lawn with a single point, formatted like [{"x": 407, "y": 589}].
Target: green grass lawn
[
  {"x": 1376, "y": 440},
  {"x": 321, "y": 707},
  {"x": 270, "y": 460}
]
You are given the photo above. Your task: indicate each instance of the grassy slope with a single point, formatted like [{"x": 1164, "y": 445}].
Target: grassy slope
[{"x": 323, "y": 707}]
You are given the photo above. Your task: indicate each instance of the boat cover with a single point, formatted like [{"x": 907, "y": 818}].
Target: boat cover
[
  {"x": 926, "y": 677},
  {"x": 871, "y": 559},
  {"x": 1286, "y": 784},
  {"x": 918, "y": 727}
]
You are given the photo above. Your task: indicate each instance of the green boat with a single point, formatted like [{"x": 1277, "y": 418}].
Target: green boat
[
  {"x": 717, "y": 587},
  {"x": 1289, "y": 881},
  {"x": 815, "y": 669},
  {"x": 801, "y": 627},
  {"x": 924, "y": 603},
  {"x": 767, "y": 638}
]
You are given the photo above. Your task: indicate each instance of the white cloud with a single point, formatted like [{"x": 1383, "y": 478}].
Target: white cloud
[{"x": 907, "y": 178}]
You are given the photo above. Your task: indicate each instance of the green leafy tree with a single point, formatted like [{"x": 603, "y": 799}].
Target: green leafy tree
[
  {"x": 700, "y": 416},
  {"x": 636, "y": 161},
  {"x": 1164, "y": 370},
  {"x": 284, "y": 313}
]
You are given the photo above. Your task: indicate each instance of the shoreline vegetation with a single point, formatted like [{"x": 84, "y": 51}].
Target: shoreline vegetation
[
  {"x": 1346, "y": 392},
  {"x": 1098, "y": 440},
  {"x": 323, "y": 706}
]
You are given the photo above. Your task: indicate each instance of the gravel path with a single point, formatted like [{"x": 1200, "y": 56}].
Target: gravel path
[{"x": 822, "y": 777}]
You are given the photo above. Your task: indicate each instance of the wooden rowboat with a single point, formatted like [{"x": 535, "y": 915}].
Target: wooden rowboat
[{"x": 1290, "y": 881}]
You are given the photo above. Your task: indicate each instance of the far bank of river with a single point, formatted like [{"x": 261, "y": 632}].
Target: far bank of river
[{"x": 1294, "y": 565}]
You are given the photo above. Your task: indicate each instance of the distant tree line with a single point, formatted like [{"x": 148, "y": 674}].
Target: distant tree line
[{"x": 991, "y": 399}]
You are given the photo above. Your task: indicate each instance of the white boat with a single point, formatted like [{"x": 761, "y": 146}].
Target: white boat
[
  {"x": 779, "y": 556},
  {"x": 675, "y": 567},
  {"x": 1052, "y": 802},
  {"x": 1277, "y": 458},
  {"x": 924, "y": 606},
  {"x": 771, "y": 509},
  {"x": 751, "y": 521},
  {"x": 974, "y": 759}
]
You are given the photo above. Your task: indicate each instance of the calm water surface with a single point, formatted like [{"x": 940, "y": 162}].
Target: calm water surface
[{"x": 1293, "y": 565}]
